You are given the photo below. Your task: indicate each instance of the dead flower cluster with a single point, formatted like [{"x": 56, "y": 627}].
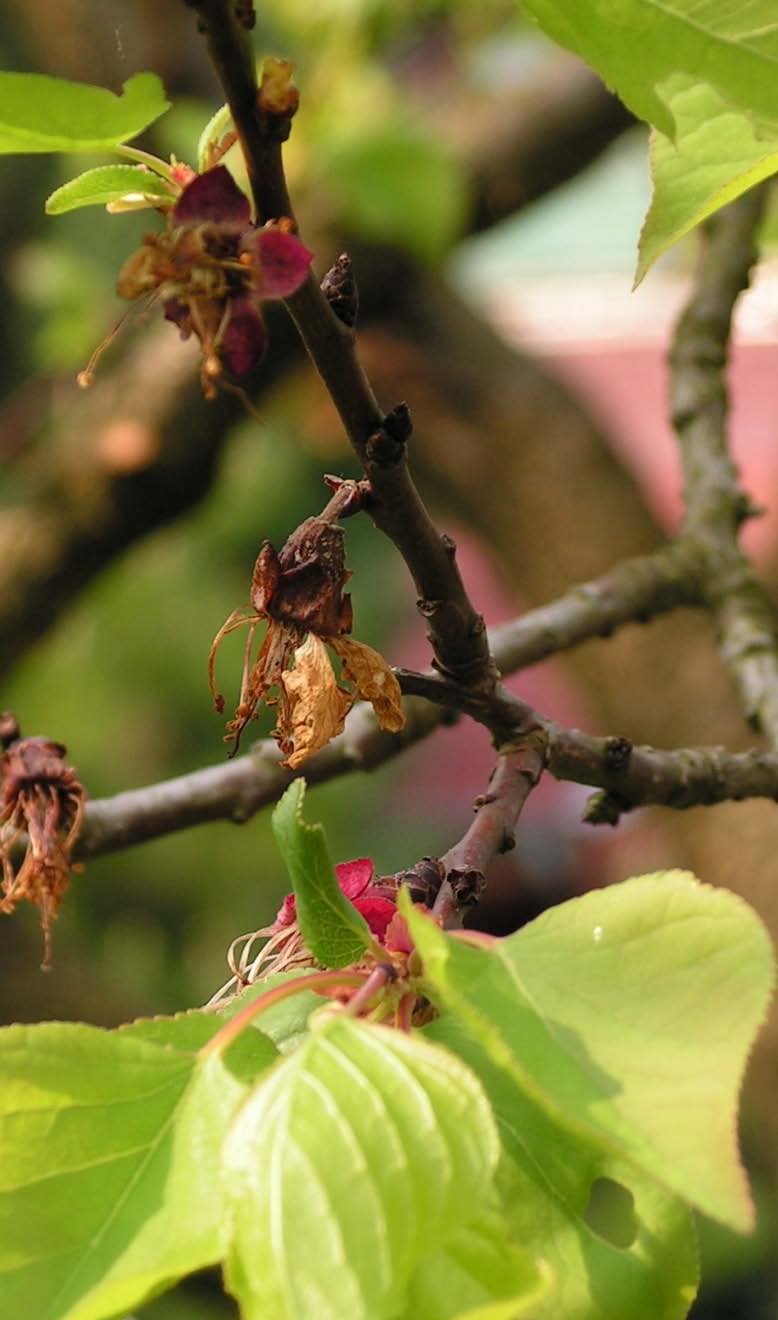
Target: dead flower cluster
[
  {"x": 299, "y": 592},
  {"x": 41, "y": 808}
]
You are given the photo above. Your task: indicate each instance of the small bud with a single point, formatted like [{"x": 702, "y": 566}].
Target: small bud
[
  {"x": 277, "y": 94},
  {"x": 340, "y": 289}
]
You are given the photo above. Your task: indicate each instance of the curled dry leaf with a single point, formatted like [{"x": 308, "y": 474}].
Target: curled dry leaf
[
  {"x": 315, "y": 708},
  {"x": 300, "y": 592},
  {"x": 372, "y": 679}
]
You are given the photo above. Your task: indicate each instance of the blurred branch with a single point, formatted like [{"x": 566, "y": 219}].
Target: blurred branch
[
  {"x": 716, "y": 504},
  {"x": 526, "y": 143},
  {"x": 633, "y": 592},
  {"x": 133, "y": 453}
]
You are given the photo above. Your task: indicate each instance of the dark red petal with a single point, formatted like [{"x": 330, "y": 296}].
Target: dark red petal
[
  {"x": 213, "y": 197},
  {"x": 287, "y": 913},
  {"x": 244, "y": 341},
  {"x": 282, "y": 262},
  {"x": 378, "y": 912},
  {"x": 354, "y": 877}
]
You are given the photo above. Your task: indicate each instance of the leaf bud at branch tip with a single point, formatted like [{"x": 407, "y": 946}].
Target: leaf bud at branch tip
[{"x": 278, "y": 98}]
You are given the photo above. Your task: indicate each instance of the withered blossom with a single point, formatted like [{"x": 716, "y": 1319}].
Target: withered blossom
[
  {"x": 213, "y": 269},
  {"x": 282, "y": 945},
  {"x": 300, "y": 593},
  {"x": 41, "y": 809}
]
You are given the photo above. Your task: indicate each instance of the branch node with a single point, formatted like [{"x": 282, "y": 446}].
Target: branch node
[
  {"x": 386, "y": 446},
  {"x": 423, "y": 880},
  {"x": 618, "y": 751},
  {"x": 467, "y": 886},
  {"x": 449, "y": 544},
  {"x": 340, "y": 289},
  {"x": 603, "y": 808}
]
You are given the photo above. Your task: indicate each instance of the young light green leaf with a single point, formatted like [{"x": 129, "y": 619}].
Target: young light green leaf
[
  {"x": 109, "y": 183},
  {"x": 717, "y": 155},
  {"x": 358, "y": 1156},
  {"x": 109, "y": 1168},
  {"x": 642, "y": 1265},
  {"x": 627, "y": 1015},
  {"x": 635, "y": 45},
  {"x": 39, "y": 113},
  {"x": 248, "y": 1056},
  {"x": 218, "y": 125},
  {"x": 333, "y": 930}
]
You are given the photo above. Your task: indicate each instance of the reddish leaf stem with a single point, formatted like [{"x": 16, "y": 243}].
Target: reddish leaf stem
[{"x": 316, "y": 981}]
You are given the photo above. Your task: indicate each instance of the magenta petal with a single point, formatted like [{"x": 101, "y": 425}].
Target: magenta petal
[
  {"x": 283, "y": 262},
  {"x": 245, "y": 340},
  {"x": 214, "y": 197},
  {"x": 378, "y": 913},
  {"x": 354, "y": 877},
  {"x": 286, "y": 914}
]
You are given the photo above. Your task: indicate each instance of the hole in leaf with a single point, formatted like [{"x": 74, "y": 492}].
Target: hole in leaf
[{"x": 610, "y": 1212}]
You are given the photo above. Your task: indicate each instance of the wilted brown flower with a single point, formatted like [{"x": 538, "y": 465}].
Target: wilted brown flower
[
  {"x": 299, "y": 591},
  {"x": 40, "y": 798}
]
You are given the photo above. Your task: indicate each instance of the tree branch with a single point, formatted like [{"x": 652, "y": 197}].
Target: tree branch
[
  {"x": 491, "y": 833},
  {"x": 716, "y": 504},
  {"x": 456, "y": 631},
  {"x": 635, "y": 591}
]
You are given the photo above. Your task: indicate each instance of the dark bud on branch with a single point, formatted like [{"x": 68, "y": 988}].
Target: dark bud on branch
[
  {"x": 340, "y": 289},
  {"x": 467, "y": 887},
  {"x": 386, "y": 446},
  {"x": 423, "y": 880}
]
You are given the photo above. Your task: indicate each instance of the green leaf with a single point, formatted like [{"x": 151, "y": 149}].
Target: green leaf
[
  {"x": 397, "y": 185},
  {"x": 644, "y": 1266},
  {"x": 109, "y": 1168},
  {"x": 39, "y": 113},
  {"x": 108, "y": 183},
  {"x": 627, "y": 1015},
  {"x": 476, "y": 1275},
  {"x": 357, "y": 1157},
  {"x": 285, "y": 1023},
  {"x": 249, "y": 1055},
  {"x": 333, "y": 930},
  {"x": 716, "y": 156},
  {"x": 636, "y": 44}
]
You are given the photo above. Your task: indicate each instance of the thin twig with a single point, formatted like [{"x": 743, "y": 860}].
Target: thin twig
[
  {"x": 492, "y": 832},
  {"x": 716, "y": 504}
]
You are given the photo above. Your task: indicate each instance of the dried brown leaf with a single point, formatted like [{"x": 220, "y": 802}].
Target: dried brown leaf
[
  {"x": 315, "y": 707},
  {"x": 373, "y": 680}
]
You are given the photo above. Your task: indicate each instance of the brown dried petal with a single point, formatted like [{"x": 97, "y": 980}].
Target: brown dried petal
[
  {"x": 373, "y": 680},
  {"x": 315, "y": 707},
  {"x": 312, "y": 575}
]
